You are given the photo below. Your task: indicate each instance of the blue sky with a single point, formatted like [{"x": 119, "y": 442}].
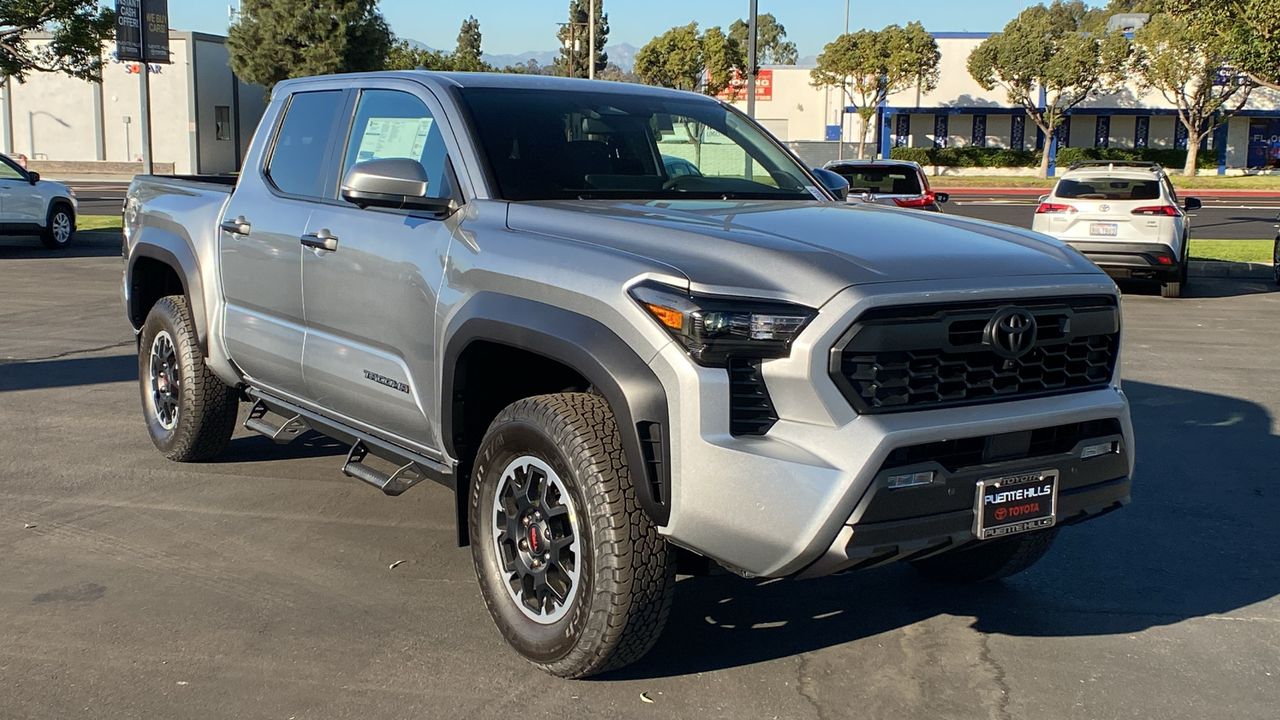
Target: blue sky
[{"x": 514, "y": 26}]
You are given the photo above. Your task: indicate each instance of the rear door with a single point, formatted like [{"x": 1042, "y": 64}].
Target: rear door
[
  {"x": 370, "y": 351},
  {"x": 261, "y": 257},
  {"x": 889, "y": 184},
  {"x": 1112, "y": 209}
]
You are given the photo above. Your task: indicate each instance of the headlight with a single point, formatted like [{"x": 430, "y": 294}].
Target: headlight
[{"x": 714, "y": 328}]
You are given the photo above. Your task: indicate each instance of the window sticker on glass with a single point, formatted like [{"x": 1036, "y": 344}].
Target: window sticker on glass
[{"x": 394, "y": 138}]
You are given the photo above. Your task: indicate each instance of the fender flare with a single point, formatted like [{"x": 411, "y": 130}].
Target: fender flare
[
  {"x": 177, "y": 254},
  {"x": 627, "y": 383}
]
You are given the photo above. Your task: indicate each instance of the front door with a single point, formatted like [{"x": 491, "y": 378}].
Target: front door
[
  {"x": 21, "y": 203},
  {"x": 260, "y": 251},
  {"x": 371, "y": 303}
]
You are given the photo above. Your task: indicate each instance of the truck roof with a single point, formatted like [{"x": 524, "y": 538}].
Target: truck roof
[{"x": 514, "y": 81}]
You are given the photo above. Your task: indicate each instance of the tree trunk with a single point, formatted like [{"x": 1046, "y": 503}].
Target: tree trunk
[
  {"x": 862, "y": 140},
  {"x": 1193, "y": 150},
  {"x": 1044, "y": 157}
]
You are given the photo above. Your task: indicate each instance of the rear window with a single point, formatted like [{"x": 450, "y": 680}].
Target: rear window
[
  {"x": 881, "y": 180},
  {"x": 1108, "y": 188}
]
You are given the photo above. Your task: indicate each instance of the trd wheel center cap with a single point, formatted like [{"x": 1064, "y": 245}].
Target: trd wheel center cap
[{"x": 535, "y": 540}]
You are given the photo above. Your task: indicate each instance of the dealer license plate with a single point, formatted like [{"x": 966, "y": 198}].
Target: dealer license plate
[
  {"x": 1103, "y": 229},
  {"x": 1016, "y": 503}
]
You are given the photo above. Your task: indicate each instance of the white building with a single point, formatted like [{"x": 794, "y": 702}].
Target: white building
[
  {"x": 960, "y": 113},
  {"x": 202, "y": 116}
]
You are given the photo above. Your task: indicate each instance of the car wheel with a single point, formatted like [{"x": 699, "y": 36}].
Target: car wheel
[
  {"x": 59, "y": 227},
  {"x": 190, "y": 413},
  {"x": 988, "y": 560},
  {"x": 1275, "y": 262},
  {"x": 1171, "y": 290},
  {"x": 574, "y": 573}
]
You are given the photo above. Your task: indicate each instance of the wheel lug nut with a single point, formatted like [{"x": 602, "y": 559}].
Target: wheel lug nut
[
  {"x": 546, "y": 557},
  {"x": 537, "y": 516},
  {"x": 525, "y": 521},
  {"x": 537, "y": 564},
  {"x": 524, "y": 544}
]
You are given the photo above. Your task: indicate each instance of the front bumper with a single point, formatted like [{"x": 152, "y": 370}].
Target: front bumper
[
  {"x": 791, "y": 501},
  {"x": 1152, "y": 261}
]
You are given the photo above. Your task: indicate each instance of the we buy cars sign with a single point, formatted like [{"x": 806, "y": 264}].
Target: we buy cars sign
[{"x": 737, "y": 89}]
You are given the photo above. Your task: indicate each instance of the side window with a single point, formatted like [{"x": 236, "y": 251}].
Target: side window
[
  {"x": 9, "y": 172},
  {"x": 392, "y": 124},
  {"x": 298, "y": 157},
  {"x": 1168, "y": 186}
]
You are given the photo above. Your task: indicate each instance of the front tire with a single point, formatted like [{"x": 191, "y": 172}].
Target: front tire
[
  {"x": 59, "y": 227},
  {"x": 574, "y": 573},
  {"x": 190, "y": 413},
  {"x": 987, "y": 560}
]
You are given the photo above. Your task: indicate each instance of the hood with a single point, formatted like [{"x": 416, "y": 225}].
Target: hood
[{"x": 805, "y": 252}]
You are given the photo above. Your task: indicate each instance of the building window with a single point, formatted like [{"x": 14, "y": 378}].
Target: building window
[
  {"x": 222, "y": 122},
  {"x": 903, "y": 131},
  {"x": 1102, "y": 131},
  {"x": 1141, "y": 129},
  {"x": 979, "y": 130},
  {"x": 1063, "y": 133},
  {"x": 1018, "y": 132},
  {"x": 940, "y": 124}
]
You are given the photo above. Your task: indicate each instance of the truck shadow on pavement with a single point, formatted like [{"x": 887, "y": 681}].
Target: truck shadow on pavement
[
  {"x": 67, "y": 372},
  {"x": 1203, "y": 287},
  {"x": 86, "y": 244},
  {"x": 1198, "y": 540}
]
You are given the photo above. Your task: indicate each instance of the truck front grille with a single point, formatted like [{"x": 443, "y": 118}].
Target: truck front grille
[{"x": 931, "y": 356}]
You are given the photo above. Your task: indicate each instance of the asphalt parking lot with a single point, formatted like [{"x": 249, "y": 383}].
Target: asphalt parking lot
[{"x": 260, "y": 586}]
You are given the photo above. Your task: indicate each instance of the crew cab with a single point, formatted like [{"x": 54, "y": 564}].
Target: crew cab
[{"x": 494, "y": 282}]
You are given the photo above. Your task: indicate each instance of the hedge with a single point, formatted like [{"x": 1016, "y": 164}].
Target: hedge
[{"x": 1001, "y": 157}]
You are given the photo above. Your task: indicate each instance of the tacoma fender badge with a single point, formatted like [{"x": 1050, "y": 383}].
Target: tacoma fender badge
[{"x": 384, "y": 380}]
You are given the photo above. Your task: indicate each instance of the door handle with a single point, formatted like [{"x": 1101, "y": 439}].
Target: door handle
[
  {"x": 321, "y": 241},
  {"x": 239, "y": 226}
]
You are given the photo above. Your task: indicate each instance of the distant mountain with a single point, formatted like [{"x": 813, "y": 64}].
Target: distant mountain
[{"x": 621, "y": 54}]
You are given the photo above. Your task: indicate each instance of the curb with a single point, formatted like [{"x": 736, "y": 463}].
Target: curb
[
  {"x": 1219, "y": 269},
  {"x": 1036, "y": 192}
]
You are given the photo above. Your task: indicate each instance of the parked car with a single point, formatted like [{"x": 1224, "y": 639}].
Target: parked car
[
  {"x": 901, "y": 183},
  {"x": 676, "y": 167},
  {"x": 31, "y": 206},
  {"x": 491, "y": 282},
  {"x": 1124, "y": 216}
]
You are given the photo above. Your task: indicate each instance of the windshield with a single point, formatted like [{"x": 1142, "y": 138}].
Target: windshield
[
  {"x": 1108, "y": 188},
  {"x": 557, "y": 145}
]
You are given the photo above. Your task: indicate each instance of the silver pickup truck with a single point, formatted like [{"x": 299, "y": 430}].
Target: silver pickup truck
[{"x": 494, "y": 282}]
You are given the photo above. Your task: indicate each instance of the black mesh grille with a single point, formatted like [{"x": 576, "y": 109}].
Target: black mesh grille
[
  {"x": 908, "y": 358},
  {"x": 967, "y": 452},
  {"x": 750, "y": 409}
]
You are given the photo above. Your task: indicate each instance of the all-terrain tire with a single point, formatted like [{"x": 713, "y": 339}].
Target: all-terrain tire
[
  {"x": 618, "y": 604},
  {"x": 1171, "y": 290},
  {"x": 59, "y": 227},
  {"x": 988, "y": 560},
  {"x": 199, "y": 414}
]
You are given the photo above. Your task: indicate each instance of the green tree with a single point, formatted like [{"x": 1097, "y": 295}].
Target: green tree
[
  {"x": 1184, "y": 64},
  {"x": 79, "y": 28},
  {"x": 405, "y": 57},
  {"x": 684, "y": 59},
  {"x": 868, "y": 66},
  {"x": 575, "y": 42},
  {"x": 772, "y": 46},
  {"x": 273, "y": 40},
  {"x": 1044, "y": 50},
  {"x": 1249, "y": 30},
  {"x": 467, "y": 55}
]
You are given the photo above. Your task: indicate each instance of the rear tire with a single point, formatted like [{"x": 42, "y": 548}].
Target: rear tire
[
  {"x": 988, "y": 560},
  {"x": 59, "y": 227},
  {"x": 190, "y": 413},
  {"x": 574, "y": 573},
  {"x": 1171, "y": 290}
]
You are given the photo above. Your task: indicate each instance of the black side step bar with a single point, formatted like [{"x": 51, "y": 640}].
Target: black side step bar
[
  {"x": 412, "y": 469},
  {"x": 283, "y": 434},
  {"x": 405, "y": 477}
]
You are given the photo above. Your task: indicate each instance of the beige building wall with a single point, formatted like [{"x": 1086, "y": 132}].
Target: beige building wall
[
  {"x": 53, "y": 118},
  {"x": 999, "y": 131},
  {"x": 1124, "y": 131}
]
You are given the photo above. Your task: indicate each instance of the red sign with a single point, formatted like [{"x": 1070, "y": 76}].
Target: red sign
[{"x": 737, "y": 89}]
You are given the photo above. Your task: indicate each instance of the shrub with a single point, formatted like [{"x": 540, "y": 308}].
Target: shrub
[
  {"x": 1170, "y": 159},
  {"x": 967, "y": 156}
]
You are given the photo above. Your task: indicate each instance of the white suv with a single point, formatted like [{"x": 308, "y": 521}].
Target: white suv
[
  {"x": 1125, "y": 217},
  {"x": 31, "y": 206}
]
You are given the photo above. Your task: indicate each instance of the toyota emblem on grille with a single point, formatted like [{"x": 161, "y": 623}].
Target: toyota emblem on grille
[
  {"x": 1011, "y": 332},
  {"x": 1104, "y": 208}
]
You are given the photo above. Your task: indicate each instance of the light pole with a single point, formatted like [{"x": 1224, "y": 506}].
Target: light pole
[
  {"x": 846, "y": 17},
  {"x": 571, "y": 44},
  {"x": 591, "y": 41},
  {"x": 751, "y": 60}
]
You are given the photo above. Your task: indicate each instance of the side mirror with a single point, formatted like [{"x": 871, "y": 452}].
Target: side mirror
[
  {"x": 833, "y": 182},
  {"x": 1192, "y": 204},
  {"x": 397, "y": 183},
  {"x": 33, "y": 177},
  {"x": 941, "y": 197}
]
